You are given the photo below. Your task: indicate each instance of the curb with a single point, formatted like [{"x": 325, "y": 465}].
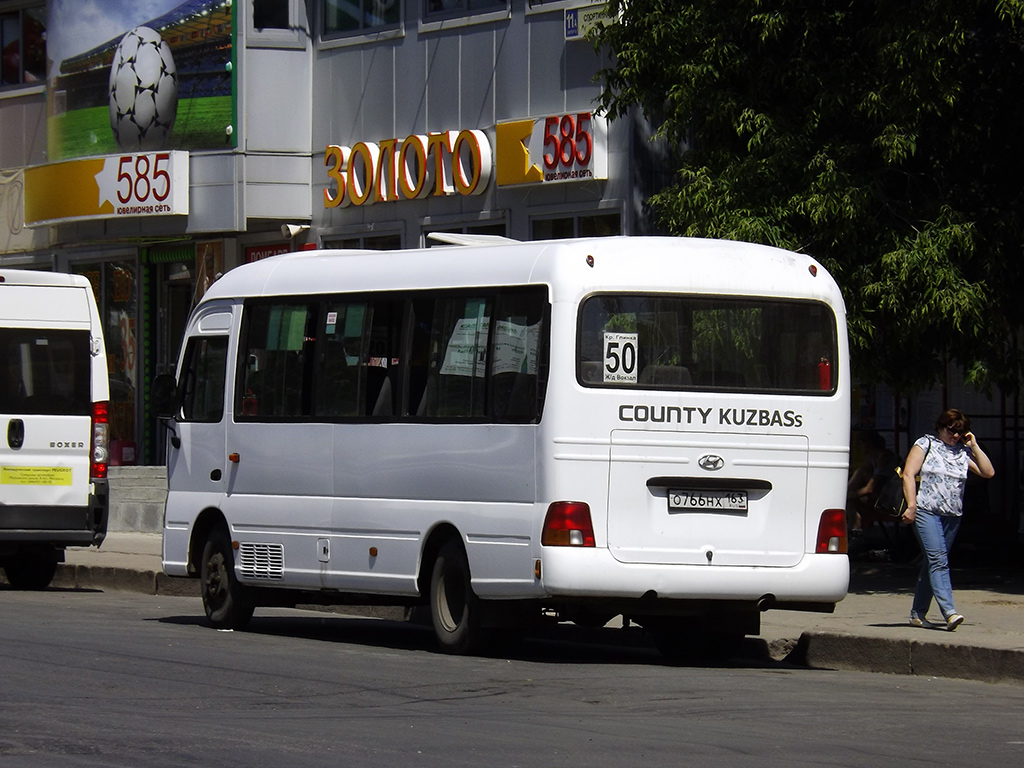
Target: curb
[
  {"x": 123, "y": 580},
  {"x": 826, "y": 650}
]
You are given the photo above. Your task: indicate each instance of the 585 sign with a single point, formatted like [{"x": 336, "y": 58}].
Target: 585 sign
[
  {"x": 144, "y": 179},
  {"x": 552, "y": 149},
  {"x": 145, "y": 183},
  {"x": 111, "y": 186}
]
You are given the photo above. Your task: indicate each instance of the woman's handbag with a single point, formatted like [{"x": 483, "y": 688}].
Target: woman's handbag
[{"x": 891, "y": 501}]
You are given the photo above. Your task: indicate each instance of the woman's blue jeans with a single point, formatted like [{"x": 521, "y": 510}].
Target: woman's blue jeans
[{"x": 935, "y": 533}]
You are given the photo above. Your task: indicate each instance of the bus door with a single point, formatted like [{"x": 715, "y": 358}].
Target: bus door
[
  {"x": 196, "y": 460},
  {"x": 280, "y": 457}
]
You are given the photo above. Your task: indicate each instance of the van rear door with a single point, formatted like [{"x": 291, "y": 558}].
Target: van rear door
[
  {"x": 46, "y": 399},
  {"x": 46, "y": 417}
]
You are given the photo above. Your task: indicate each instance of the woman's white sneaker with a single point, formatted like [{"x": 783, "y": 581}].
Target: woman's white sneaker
[{"x": 953, "y": 621}]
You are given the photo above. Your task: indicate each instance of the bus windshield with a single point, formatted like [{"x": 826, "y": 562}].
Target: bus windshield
[{"x": 679, "y": 342}]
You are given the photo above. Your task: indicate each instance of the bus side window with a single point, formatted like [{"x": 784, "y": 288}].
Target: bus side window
[
  {"x": 203, "y": 379},
  {"x": 419, "y": 355},
  {"x": 344, "y": 329},
  {"x": 457, "y": 358},
  {"x": 278, "y": 347},
  {"x": 383, "y": 364},
  {"x": 515, "y": 353}
]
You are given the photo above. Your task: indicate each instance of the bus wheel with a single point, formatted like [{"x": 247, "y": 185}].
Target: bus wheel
[
  {"x": 33, "y": 571},
  {"x": 228, "y": 604},
  {"x": 454, "y": 608}
]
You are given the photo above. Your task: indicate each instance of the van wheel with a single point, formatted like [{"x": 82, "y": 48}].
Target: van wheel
[
  {"x": 33, "y": 571},
  {"x": 454, "y": 608},
  {"x": 228, "y": 604}
]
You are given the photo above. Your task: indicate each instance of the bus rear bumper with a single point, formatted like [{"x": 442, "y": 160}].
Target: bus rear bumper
[{"x": 816, "y": 583}]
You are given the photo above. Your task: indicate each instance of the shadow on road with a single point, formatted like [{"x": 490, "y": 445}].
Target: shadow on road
[{"x": 558, "y": 644}]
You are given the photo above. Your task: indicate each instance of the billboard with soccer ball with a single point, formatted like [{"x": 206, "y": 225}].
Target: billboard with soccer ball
[{"x": 140, "y": 75}]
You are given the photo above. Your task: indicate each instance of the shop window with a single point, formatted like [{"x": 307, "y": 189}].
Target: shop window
[
  {"x": 23, "y": 44},
  {"x": 276, "y": 24},
  {"x": 270, "y": 14},
  {"x": 116, "y": 288},
  {"x": 589, "y": 225},
  {"x": 442, "y": 8},
  {"x": 367, "y": 243},
  {"x": 351, "y": 16}
]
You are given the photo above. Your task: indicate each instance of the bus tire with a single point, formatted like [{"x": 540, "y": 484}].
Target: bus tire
[
  {"x": 455, "y": 611},
  {"x": 228, "y": 604},
  {"x": 31, "y": 571}
]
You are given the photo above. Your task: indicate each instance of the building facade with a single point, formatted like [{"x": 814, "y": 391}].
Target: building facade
[
  {"x": 157, "y": 144},
  {"x": 168, "y": 141}
]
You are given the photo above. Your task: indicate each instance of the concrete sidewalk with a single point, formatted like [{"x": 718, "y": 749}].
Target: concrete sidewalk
[{"x": 869, "y": 630}]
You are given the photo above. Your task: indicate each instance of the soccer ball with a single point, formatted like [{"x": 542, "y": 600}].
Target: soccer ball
[{"x": 143, "y": 91}]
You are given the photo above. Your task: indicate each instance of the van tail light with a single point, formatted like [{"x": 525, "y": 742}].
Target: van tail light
[
  {"x": 100, "y": 454},
  {"x": 832, "y": 532},
  {"x": 568, "y": 524}
]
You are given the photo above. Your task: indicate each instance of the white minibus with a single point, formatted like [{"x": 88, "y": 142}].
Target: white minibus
[
  {"x": 54, "y": 405},
  {"x": 656, "y": 428}
]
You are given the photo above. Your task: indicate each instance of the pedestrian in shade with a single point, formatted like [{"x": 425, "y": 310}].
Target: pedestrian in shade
[{"x": 935, "y": 509}]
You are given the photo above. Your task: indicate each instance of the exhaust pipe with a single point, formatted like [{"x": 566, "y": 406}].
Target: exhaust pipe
[{"x": 765, "y": 603}]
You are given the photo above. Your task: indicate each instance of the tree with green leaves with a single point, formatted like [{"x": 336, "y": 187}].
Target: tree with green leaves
[{"x": 883, "y": 138}]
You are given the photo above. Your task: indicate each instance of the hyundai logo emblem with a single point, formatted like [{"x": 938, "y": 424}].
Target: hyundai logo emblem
[{"x": 711, "y": 462}]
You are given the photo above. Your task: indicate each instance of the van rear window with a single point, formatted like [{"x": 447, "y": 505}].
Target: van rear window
[
  {"x": 44, "y": 372},
  {"x": 707, "y": 343}
]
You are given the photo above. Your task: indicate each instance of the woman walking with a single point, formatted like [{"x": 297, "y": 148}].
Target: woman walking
[{"x": 935, "y": 509}]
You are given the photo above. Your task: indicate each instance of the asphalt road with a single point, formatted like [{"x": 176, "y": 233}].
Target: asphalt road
[{"x": 118, "y": 679}]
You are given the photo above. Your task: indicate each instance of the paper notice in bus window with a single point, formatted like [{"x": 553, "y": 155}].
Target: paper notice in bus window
[
  {"x": 35, "y": 475},
  {"x": 466, "y": 354},
  {"x": 515, "y": 347},
  {"x": 620, "y": 358}
]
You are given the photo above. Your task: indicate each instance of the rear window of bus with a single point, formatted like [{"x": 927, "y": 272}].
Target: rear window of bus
[{"x": 707, "y": 343}]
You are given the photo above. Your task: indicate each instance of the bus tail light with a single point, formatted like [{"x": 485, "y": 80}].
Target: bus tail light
[
  {"x": 100, "y": 454},
  {"x": 832, "y": 532},
  {"x": 568, "y": 524}
]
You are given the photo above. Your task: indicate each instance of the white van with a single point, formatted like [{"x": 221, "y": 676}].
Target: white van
[
  {"x": 54, "y": 415},
  {"x": 506, "y": 432}
]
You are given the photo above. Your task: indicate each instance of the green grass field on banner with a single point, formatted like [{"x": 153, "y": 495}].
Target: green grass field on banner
[{"x": 200, "y": 124}]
